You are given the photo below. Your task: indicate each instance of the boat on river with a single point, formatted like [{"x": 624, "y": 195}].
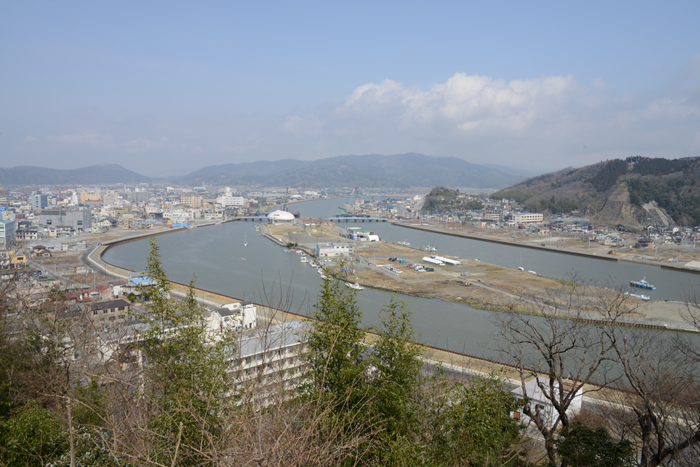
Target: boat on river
[
  {"x": 355, "y": 286},
  {"x": 429, "y": 248},
  {"x": 646, "y": 298},
  {"x": 303, "y": 259},
  {"x": 404, "y": 243},
  {"x": 642, "y": 284}
]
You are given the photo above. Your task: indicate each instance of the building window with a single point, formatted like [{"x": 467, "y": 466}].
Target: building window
[{"x": 80, "y": 222}]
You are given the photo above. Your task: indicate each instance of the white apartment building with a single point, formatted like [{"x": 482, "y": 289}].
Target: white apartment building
[
  {"x": 229, "y": 201},
  {"x": 269, "y": 364},
  {"x": 527, "y": 218},
  {"x": 237, "y": 316}
]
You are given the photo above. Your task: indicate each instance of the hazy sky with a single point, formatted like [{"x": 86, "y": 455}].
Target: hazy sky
[{"x": 167, "y": 87}]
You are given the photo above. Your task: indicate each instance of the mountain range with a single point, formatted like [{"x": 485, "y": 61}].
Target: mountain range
[
  {"x": 96, "y": 174},
  {"x": 372, "y": 170},
  {"x": 398, "y": 171}
]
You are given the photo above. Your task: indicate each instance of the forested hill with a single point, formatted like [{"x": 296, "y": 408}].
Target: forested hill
[
  {"x": 373, "y": 170},
  {"x": 634, "y": 191},
  {"x": 96, "y": 174}
]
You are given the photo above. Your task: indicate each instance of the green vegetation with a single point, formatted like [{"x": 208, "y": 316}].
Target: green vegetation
[
  {"x": 440, "y": 198},
  {"x": 520, "y": 196},
  {"x": 187, "y": 372},
  {"x": 405, "y": 418},
  {"x": 679, "y": 197},
  {"x": 554, "y": 205},
  {"x": 607, "y": 176},
  {"x": 582, "y": 446}
]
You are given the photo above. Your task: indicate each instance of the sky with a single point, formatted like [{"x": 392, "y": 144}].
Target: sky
[{"x": 165, "y": 88}]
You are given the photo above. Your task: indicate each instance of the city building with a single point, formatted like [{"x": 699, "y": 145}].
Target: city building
[
  {"x": 236, "y": 316},
  {"x": 8, "y": 232},
  {"x": 39, "y": 202},
  {"x": 193, "y": 201},
  {"x": 332, "y": 249},
  {"x": 90, "y": 197},
  {"x": 527, "y": 218},
  {"x": 229, "y": 201},
  {"x": 269, "y": 364},
  {"x": 79, "y": 220}
]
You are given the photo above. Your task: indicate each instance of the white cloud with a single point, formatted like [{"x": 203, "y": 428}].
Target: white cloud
[
  {"x": 549, "y": 121},
  {"x": 466, "y": 102}
]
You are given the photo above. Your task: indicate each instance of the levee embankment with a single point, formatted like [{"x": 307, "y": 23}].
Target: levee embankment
[{"x": 502, "y": 241}]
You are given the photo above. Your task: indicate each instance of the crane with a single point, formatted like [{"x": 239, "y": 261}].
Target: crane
[
  {"x": 260, "y": 202},
  {"x": 352, "y": 198}
]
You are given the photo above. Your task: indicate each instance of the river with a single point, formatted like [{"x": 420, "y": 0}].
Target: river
[{"x": 264, "y": 273}]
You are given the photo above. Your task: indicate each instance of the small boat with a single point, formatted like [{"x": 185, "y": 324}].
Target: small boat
[
  {"x": 642, "y": 284},
  {"x": 303, "y": 259},
  {"x": 520, "y": 268},
  {"x": 286, "y": 250},
  {"x": 245, "y": 241},
  {"x": 646, "y": 298},
  {"x": 312, "y": 264},
  {"x": 243, "y": 259},
  {"x": 429, "y": 248},
  {"x": 404, "y": 243},
  {"x": 477, "y": 260},
  {"x": 355, "y": 286},
  {"x": 323, "y": 276},
  {"x": 532, "y": 272}
]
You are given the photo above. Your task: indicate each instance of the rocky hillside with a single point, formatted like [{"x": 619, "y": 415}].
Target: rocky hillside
[{"x": 634, "y": 191}]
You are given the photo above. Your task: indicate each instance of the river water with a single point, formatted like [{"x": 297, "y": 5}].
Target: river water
[{"x": 262, "y": 272}]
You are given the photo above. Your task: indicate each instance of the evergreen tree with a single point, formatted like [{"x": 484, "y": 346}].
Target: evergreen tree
[
  {"x": 187, "y": 382},
  {"x": 335, "y": 350},
  {"x": 396, "y": 366}
]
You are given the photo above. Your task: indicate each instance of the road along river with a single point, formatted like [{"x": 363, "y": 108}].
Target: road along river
[{"x": 264, "y": 273}]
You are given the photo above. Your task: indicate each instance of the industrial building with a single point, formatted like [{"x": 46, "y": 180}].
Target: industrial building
[
  {"x": 281, "y": 217},
  {"x": 77, "y": 220},
  {"x": 333, "y": 249}
]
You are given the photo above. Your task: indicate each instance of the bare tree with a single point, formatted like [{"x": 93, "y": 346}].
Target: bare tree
[{"x": 562, "y": 351}]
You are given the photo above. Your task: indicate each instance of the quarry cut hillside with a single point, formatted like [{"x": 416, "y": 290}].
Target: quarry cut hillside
[{"x": 636, "y": 191}]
